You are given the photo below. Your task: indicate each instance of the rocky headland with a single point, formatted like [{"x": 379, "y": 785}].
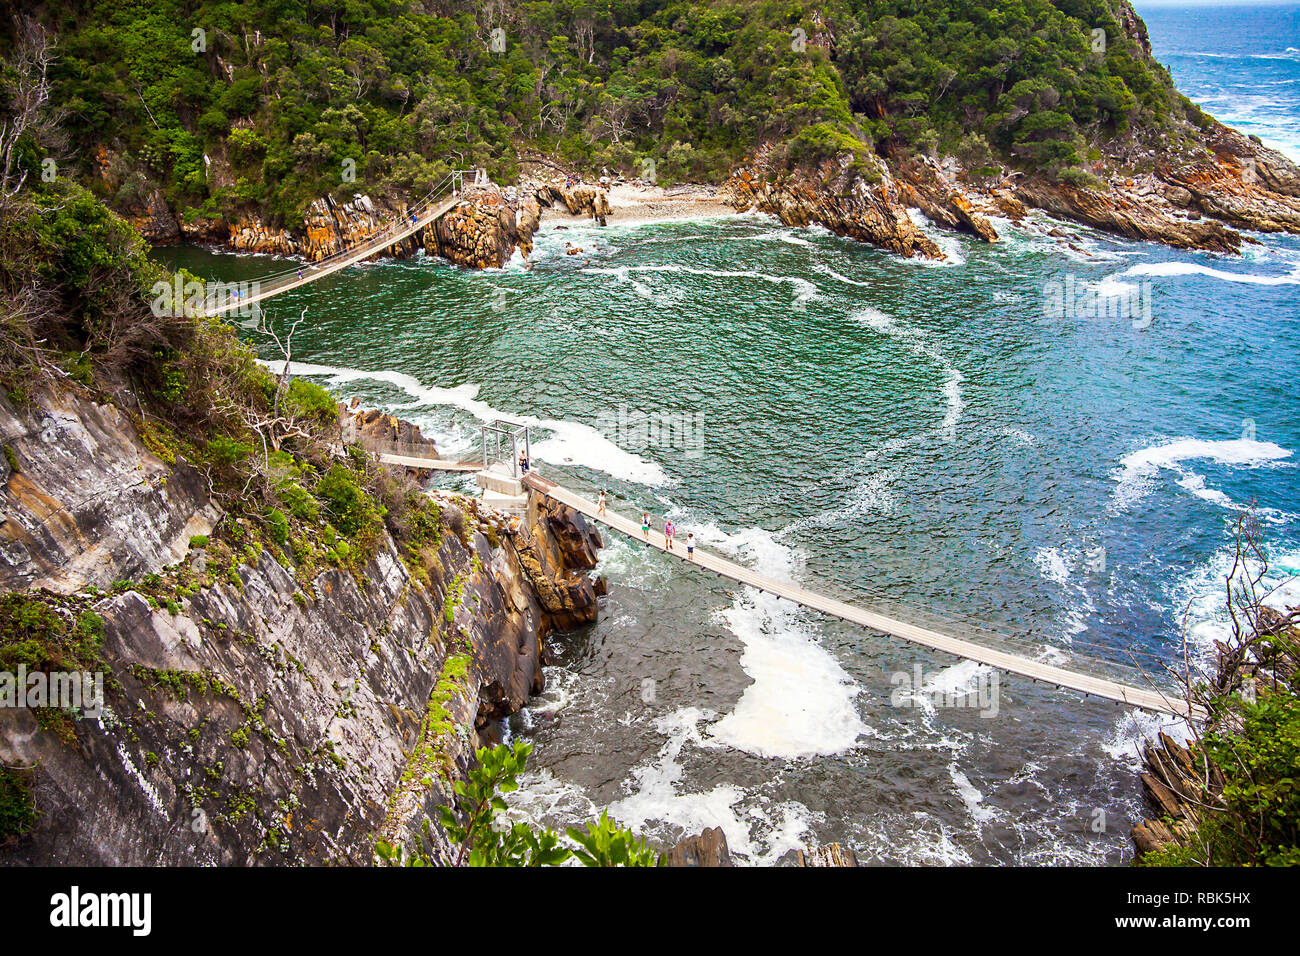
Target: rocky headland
[{"x": 258, "y": 710}]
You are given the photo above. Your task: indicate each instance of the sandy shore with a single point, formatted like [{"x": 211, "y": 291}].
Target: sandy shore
[{"x": 634, "y": 202}]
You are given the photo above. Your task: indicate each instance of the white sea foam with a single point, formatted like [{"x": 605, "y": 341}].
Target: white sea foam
[
  {"x": 873, "y": 494},
  {"x": 1136, "y": 729},
  {"x": 568, "y": 443},
  {"x": 1139, "y": 468},
  {"x": 948, "y": 243},
  {"x": 781, "y": 235},
  {"x": 1051, "y": 565},
  {"x": 919, "y": 343},
  {"x": 659, "y": 798},
  {"x": 827, "y": 270},
  {"x": 970, "y": 796},
  {"x": 1114, "y": 286},
  {"x": 1199, "y": 597},
  {"x": 801, "y": 703}
]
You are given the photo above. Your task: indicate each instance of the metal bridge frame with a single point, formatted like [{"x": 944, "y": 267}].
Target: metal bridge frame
[{"x": 513, "y": 432}]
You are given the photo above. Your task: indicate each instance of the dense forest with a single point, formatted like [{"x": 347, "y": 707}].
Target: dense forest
[{"x": 270, "y": 103}]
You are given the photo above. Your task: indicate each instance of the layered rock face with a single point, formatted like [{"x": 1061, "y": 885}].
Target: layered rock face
[
  {"x": 1238, "y": 184},
  {"x": 1199, "y": 204},
  {"x": 87, "y": 507},
  {"x": 924, "y": 185},
  {"x": 1129, "y": 214},
  {"x": 1172, "y": 784},
  {"x": 370, "y": 426},
  {"x": 482, "y": 231},
  {"x": 580, "y": 200},
  {"x": 262, "y": 716},
  {"x": 328, "y": 227},
  {"x": 485, "y": 228},
  {"x": 836, "y": 196}
]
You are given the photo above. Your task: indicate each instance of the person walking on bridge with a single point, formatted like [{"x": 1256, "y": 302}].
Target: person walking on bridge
[
  {"x": 690, "y": 546},
  {"x": 600, "y": 505},
  {"x": 645, "y": 525},
  {"x": 669, "y": 529}
]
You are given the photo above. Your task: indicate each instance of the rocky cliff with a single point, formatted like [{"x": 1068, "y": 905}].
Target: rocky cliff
[
  {"x": 1208, "y": 198},
  {"x": 256, "y": 711},
  {"x": 836, "y": 195}
]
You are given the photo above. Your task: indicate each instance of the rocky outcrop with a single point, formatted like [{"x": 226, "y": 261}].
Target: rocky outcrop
[
  {"x": 707, "y": 849},
  {"x": 88, "y": 505},
  {"x": 1181, "y": 783},
  {"x": 481, "y": 231},
  {"x": 371, "y": 427},
  {"x": 328, "y": 227},
  {"x": 1132, "y": 25},
  {"x": 1188, "y": 201},
  {"x": 1129, "y": 214},
  {"x": 581, "y": 199},
  {"x": 837, "y": 196},
  {"x": 830, "y": 854},
  {"x": 556, "y": 545},
  {"x": 1172, "y": 784},
  {"x": 925, "y": 186},
  {"x": 258, "y": 712},
  {"x": 154, "y": 220},
  {"x": 485, "y": 228}
]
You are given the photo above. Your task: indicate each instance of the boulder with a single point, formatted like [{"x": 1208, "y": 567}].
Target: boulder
[{"x": 707, "y": 849}]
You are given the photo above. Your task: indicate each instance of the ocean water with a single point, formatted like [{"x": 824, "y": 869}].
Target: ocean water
[
  {"x": 940, "y": 440},
  {"x": 1240, "y": 63}
]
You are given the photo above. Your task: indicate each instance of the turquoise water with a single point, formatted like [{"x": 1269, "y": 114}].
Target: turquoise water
[
  {"x": 926, "y": 437},
  {"x": 932, "y": 438},
  {"x": 1240, "y": 63}
]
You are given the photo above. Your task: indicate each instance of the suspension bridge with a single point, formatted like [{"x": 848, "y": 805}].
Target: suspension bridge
[
  {"x": 440, "y": 200},
  {"x": 505, "y": 485}
]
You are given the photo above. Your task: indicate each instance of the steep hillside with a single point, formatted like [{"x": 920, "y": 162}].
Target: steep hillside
[
  {"x": 298, "y": 649},
  {"x": 213, "y": 121}
]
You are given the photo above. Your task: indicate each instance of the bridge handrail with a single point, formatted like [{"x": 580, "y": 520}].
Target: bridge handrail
[
  {"x": 448, "y": 184},
  {"x": 1147, "y": 669}
]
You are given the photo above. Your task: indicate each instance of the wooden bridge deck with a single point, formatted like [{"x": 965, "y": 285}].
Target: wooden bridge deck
[
  {"x": 432, "y": 464},
  {"x": 1143, "y": 698},
  {"x": 310, "y": 272}
]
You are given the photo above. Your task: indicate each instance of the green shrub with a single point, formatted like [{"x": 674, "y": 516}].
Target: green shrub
[
  {"x": 350, "y": 509},
  {"x": 479, "y": 842},
  {"x": 308, "y": 400},
  {"x": 1256, "y": 820},
  {"x": 226, "y": 452},
  {"x": 277, "y": 526}
]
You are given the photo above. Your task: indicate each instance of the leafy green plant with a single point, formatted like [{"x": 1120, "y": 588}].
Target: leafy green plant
[
  {"x": 351, "y": 510},
  {"x": 478, "y": 840},
  {"x": 605, "y": 843}
]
